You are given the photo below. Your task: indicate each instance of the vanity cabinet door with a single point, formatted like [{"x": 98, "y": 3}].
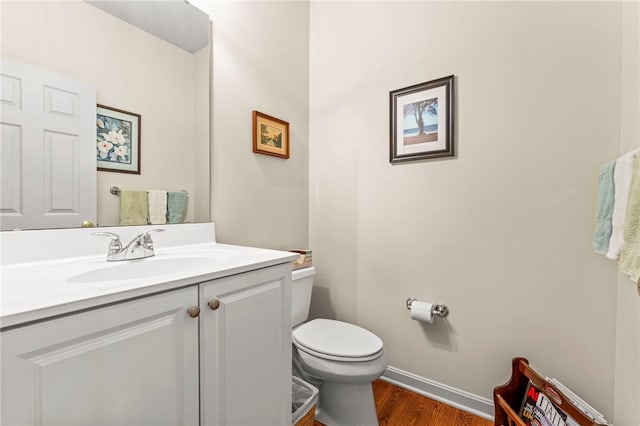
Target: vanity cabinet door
[
  {"x": 132, "y": 363},
  {"x": 245, "y": 352}
]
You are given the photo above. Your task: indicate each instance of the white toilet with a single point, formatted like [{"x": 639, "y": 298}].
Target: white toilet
[{"x": 341, "y": 359}]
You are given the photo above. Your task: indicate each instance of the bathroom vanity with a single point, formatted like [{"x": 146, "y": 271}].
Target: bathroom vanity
[{"x": 198, "y": 334}]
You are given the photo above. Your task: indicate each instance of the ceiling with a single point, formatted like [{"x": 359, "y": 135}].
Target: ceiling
[{"x": 175, "y": 21}]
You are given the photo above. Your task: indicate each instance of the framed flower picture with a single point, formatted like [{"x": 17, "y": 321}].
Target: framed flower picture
[{"x": 117, "y": 140}]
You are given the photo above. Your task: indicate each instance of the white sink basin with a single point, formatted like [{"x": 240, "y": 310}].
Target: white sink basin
[
  {"x": 143, "y": 268},
  {"x": 104, "y": 274}
]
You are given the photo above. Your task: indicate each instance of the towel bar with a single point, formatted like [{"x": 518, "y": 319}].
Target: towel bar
[{"x": 116, "y": 191}]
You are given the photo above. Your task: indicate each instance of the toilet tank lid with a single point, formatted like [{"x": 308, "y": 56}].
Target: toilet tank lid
[
  {"x": 337, "y": 338},
  {"x": 298, "y": 274}
]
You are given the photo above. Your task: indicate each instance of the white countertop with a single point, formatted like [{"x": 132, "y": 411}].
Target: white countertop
[{"x": 32, "y": 291}]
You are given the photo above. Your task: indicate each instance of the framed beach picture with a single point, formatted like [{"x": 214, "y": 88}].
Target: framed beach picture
[
  {"x": 422, "y": 121},
  {"x": 270, "y": 135},
  {"x": 118, "y": 140}
]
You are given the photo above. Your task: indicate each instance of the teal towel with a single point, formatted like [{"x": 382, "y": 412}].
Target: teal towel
[
  {"x": 604, "y": 208},
  {"x": 176, "y": 206},
  {"x": 134, "y": 209}
]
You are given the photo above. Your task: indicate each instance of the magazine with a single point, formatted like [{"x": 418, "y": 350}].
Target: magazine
[
  {"x": 538, "y": 410},
  {"x": 579, "y": 403},
  {"x": 304, "y": 259}
]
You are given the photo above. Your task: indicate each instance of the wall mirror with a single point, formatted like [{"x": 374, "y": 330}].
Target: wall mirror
[{"x": 152, "y": 58}]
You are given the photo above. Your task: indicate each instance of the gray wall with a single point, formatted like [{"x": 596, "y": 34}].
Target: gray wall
[
  {"x": 627, "y": 390},
  {"x": 502, "y": 233},
  {"x": 260, "y": 62}
]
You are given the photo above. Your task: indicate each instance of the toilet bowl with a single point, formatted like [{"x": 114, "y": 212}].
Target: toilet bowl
[{"x": 341, "y": 359}]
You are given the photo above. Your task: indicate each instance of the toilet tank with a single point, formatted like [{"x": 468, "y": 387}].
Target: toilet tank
[{"x": 301, "y": 287}]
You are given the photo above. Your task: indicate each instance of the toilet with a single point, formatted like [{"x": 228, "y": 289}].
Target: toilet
[{"x": 339, "y": 358}]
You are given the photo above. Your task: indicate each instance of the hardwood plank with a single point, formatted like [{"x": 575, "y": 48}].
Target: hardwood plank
[
  {"x": 396, "y": 406},
  {"x": 414, "y": 409},
  {"x": 479, "y": 421},
  {"x": 385, "y": 407},
  {"x": 384, "y": 395},
  {"x": 463, "y": 418},
  {"x": 419, "y": 410},
  {"x": 445, "y": 416},
  {"x": 406, "y": 406}
]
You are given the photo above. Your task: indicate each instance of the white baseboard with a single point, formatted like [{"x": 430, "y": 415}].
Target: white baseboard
[{"x": 457, "y": 398}]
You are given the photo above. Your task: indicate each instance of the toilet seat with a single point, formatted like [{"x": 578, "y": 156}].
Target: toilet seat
[{"x": 337, "y": 340}]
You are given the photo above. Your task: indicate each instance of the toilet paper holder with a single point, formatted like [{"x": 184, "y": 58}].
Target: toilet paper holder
[{"x": 437, "y": 309}]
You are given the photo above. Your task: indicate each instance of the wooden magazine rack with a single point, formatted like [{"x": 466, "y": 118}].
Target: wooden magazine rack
[{"x": 508, "y": 397}]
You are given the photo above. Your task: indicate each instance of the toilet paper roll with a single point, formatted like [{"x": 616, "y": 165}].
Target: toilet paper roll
[{"x": 422, "y": 311}]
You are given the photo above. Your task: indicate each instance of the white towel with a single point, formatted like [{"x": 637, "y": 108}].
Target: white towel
[
  {"x": 622, "y": 180},
  {"x": 157, "y": 207}
]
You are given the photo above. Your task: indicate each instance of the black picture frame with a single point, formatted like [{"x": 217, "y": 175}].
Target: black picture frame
[
  {"x": 117, "y": 129},
  {"x": 429, "y": 107}
]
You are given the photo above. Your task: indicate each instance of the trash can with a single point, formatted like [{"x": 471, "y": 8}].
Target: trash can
[{"x": 303, "y": 402}]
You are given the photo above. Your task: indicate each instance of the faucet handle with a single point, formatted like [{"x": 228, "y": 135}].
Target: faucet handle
[
  {"x": 115, "y": 245},
  {"x": 146, "y": 238},
  {"x": 154, "y": 230}
]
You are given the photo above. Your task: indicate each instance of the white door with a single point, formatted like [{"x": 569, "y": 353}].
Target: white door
[
  {"x": 47, "y": 149},
  {"x": 245, "y": 349},
  {"x": 129, "y": 364}
]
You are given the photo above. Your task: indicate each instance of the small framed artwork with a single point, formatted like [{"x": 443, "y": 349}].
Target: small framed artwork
[
  {"x": 422, "y": 121},
  {"x": 118, "y": 140},
  {"x": 270, "y": 135}
]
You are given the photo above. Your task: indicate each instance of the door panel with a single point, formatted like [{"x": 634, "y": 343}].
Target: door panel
[
  {"x": 11, "y": 170},
  {"x": 48, "y": 148}
]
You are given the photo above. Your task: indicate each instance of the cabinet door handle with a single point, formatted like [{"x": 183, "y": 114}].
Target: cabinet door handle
[
  {"x": 193, "y": 311},
  {"x": 214, "y": 304}
]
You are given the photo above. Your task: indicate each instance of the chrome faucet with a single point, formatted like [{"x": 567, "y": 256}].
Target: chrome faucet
[{"x": 138, "y": 248}]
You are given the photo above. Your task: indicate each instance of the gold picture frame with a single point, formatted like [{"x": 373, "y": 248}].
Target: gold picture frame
[{"x": 270, "y": 135}]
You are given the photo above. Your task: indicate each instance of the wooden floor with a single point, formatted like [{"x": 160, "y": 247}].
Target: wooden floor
[{"x": 400, "y": 407}]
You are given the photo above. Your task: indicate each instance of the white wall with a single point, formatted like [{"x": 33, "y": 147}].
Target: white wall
[
  {"x": 133, "y": 71},
  {"x": 260, "y": 62},
  {"x": 202, "y": 121},
  {"x": 627, "y": 385},
  {"x": 501, "y": 233}
]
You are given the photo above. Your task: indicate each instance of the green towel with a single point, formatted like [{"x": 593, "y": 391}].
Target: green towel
[
  {"x": 176, "y": 206},
  {"x": 134, "y": 209},
  {"x": 604, "y": 208},
  {"x": 630, "y": 254}
]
